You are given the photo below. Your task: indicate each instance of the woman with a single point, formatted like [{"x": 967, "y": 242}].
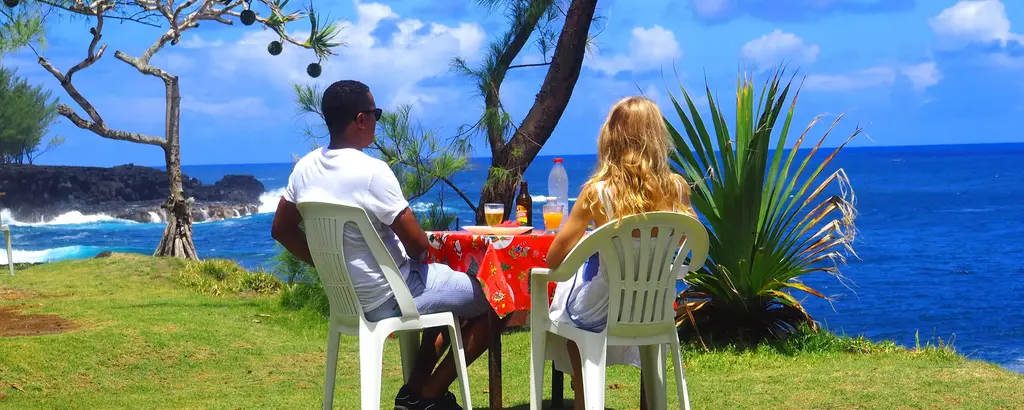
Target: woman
[{"x": 633, "y": 177}]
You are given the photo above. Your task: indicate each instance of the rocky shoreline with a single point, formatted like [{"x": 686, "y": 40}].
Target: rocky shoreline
[{"x": 129, "y": 192}]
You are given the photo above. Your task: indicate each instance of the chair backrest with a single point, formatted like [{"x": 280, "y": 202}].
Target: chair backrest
[
  {"x": 642, "y": 258},
  {"x": 325, "y": 225}
]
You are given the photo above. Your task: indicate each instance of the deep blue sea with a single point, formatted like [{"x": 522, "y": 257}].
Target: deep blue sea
[{"x": 940, "y": 241}]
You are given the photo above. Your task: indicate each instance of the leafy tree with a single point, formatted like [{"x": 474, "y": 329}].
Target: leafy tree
[
  {"x": 177, "y": 17},
  {"x": 20, "y": 25},
  {"x": 26, "y": 114},
  {"x": 513, "y": 148},
  {"x": 774, "y": 215}
]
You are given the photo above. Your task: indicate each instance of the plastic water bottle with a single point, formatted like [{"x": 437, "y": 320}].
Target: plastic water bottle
[{"x": 558, "y": 187}]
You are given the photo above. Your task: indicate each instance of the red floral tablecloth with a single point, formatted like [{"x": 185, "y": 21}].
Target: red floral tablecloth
[{"x": 501, "y": 263}]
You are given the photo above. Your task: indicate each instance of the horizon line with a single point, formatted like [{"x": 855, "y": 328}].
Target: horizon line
[{"x": 848, "y": 148}]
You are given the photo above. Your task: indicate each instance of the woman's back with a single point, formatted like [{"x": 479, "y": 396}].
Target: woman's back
[{"x": 602, "y": 201}]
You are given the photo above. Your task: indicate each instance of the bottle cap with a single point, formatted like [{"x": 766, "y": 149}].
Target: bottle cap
[{"x": 558, "y": 160}]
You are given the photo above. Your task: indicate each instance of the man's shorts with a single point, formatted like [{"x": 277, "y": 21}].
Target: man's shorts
[{"x": 437, "y": 288}]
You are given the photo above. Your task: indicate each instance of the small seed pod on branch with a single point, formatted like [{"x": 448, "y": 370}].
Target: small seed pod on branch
[
  {"x": 313, "y": 69},
  {"x": 274, "y": 48}
]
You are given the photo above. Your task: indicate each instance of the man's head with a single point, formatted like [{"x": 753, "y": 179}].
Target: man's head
[{"x": 351, "y": 114}]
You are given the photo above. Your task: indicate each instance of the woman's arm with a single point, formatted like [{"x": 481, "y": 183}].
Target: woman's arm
[{"x": 572, "y": 232}]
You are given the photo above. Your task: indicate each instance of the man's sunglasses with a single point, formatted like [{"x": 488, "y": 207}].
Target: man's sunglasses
[{"x": 377, "y": 112}]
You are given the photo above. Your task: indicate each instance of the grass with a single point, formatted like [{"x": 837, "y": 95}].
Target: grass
[{"x": 143, "y": 340}]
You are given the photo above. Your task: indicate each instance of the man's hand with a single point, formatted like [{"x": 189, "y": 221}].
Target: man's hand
[
  {"x": 409, "y": 231},
  {"x": 286, "y": 231}
]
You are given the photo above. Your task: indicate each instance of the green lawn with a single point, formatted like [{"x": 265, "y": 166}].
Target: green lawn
[{"x": 143, "y": 341}]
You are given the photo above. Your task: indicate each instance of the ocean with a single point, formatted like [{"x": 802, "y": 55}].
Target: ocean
[{"x": 939, "y": 247}]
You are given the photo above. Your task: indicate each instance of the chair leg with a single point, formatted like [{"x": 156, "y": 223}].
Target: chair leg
[
  {"x": 459, "y": 354},
  {"x": 652, "y": 369},
  {"x": 593, "y": 355},
  {"x": 371, "y": 359},
  {"x": 684, "y": 396},
  {"x": 409, "y": 343},
  {"x": 333, "y": 342},
  {"x": 538, "y": 351}
]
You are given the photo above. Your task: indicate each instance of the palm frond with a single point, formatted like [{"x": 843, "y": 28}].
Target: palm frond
[{"x": 771, "y": 210}]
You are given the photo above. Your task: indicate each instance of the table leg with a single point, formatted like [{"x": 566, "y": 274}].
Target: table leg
[
  {"x": 557, "y": 388},
  {"x": 494, "y": 365}
]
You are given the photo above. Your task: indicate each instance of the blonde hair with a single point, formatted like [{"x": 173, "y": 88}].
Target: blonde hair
[{"x": 632, "y": 161}]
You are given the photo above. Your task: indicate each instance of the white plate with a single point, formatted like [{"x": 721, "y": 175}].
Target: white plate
[{"x": 497, "y": 230}]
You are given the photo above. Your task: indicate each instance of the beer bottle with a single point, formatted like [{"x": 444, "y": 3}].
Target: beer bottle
[{"x": 524, "y": 206}]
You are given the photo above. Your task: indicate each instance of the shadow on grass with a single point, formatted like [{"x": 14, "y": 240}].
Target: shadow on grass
[{"x": 566, "y": 405}]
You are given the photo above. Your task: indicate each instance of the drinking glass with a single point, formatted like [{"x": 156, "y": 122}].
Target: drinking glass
[
  {"x": 552, "y": 217},
  {"x": 493, "y": 213}
]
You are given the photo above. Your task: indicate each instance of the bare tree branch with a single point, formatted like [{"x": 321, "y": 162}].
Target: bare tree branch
[
  {"x": 97, "y": 125},
  {"x": 143, "y": 16}
]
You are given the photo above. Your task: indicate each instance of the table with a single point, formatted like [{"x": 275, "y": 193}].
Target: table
[{"x": 502, "y": 264}]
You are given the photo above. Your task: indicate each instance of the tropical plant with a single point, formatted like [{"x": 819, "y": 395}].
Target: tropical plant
[{"x": 775, "y": 215}]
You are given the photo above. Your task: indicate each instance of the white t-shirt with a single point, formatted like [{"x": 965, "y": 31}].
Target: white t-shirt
[{"x": 350, "y": 177}]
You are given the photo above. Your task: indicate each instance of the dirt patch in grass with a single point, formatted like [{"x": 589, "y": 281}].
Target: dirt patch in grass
[
  {"x": 14, "y": 323},
  {"x": 14, "y": 295}
]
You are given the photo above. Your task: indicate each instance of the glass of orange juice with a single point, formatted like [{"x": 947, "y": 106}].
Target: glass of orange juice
[
  {"x": 493, "y": 213},
  {"x": 552, "y": 217}
]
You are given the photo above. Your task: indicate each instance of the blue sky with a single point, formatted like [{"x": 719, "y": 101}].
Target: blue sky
[{"x": 911, "y": 72}]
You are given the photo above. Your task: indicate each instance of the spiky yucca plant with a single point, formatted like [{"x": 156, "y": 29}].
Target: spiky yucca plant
[{"x": 770, "y": 219}]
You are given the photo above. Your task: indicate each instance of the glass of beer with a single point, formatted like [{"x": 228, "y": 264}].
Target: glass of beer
[
  {"x": 552, "y": 217},
  {"x": 493, "y": 213}
]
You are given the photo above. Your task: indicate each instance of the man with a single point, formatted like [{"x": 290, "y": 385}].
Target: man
[{"x": 343, "y": 173}]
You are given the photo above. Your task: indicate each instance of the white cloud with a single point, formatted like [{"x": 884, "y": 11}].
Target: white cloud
[
  {"x": 711, "y": 8},
  {"x": 150, "y": 110},
  {"x": 777, "y": 47},
  {"x": 392, "y": 67},
  {"x": 173, "y": 62},
  {"x": 973, "y": 21},
  {"x": 855, "y": 80},
  {"x": 197, "y": 42},
  {"x": 922, "y": 75},
  {"x": 247, "y": 107},
  {"x": 649, "y": 49}
]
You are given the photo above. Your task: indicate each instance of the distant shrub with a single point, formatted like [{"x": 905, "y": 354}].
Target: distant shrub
[
  {"x": 261, "y": 282},
  {"x": 219, "y": 276},
  {"x": 302, "y": 289},
  {"x": 292, "y": 270},
  {"x": 807, "y": 340},
  {"x": 435, "y": 218}
]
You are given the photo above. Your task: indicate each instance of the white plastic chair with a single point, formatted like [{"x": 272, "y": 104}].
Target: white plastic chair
[
  {"x": 324, "y": 226},
  {"x": 641, "y": 286},
  {"x": 6, "y": 230}
]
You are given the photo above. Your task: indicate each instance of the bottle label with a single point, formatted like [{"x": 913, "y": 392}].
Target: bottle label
[{"x": 521, "y": 215}]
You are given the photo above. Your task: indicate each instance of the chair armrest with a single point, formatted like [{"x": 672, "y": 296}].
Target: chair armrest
[{"x": 548, "y": 275}]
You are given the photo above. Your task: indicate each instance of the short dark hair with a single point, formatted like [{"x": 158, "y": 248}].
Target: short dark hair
[{"x": 342, "y": 101}]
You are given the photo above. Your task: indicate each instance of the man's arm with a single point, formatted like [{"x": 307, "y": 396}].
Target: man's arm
[
  {"x": 409, "y": 231},
  {"x": 286, "y": 231}
]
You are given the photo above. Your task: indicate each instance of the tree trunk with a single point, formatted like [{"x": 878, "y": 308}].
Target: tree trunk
[
  {"x": 509, "y": 161},
  {"x": 177, "y": 239}
]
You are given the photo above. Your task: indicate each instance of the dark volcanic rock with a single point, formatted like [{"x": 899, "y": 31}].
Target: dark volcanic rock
[{"x": 126, "y": 192}]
